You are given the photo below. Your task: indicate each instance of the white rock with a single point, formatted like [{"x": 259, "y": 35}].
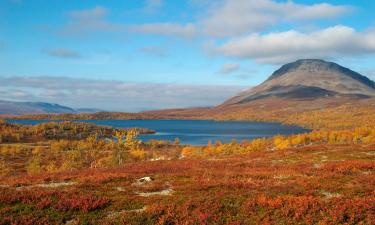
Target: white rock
[
  {"x": 145, "y": 179},
  {"x": 168, "y": 191}
]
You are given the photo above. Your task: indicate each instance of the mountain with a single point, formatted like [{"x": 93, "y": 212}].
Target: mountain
[
  {"x": 309, "y": 79},
  {"x": 21, "y": 108},
  {"x": 297, "y": 87}
]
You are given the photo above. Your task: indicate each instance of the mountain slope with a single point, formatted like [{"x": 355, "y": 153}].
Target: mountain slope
[
  {"x": 309, "y": 78},
  {"x": 21, "y": 108}
]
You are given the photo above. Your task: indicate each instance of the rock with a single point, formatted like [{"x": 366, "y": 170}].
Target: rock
[
  {"x": 330, "y": 195},
  {"x": 168, "y": 191},
  {"x": 145, "y": 179},
  {"x": 56, "y": 184},
  {"x": 120, "y": 189},
  {"x": 72, "y": 222},
  {"x": 48, "y": 185}
]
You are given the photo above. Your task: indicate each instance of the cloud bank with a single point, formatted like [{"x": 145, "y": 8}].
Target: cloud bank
[
  {"x": 282, "y": 47},
  {"x": 113, "y": 95},
  {"x": 238, "y": 17}
]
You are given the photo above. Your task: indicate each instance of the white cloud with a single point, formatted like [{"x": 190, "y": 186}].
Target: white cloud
[
  {"x": 153, "y": 5},
  {"x": 223, "y": 18},
  {"x": 237, "y": 17},
  {"x": 62, "y": 53},
  {"x": 89, "y": 14},
  {"x": 113, "y": 95},
  {"x": 165, "y": 29},
  {"x": 239, "y": 22},
  {"x": 286, "y": 46},
  {"x": 229, "y": 68},
  {"x": 20, "y": 94},
  {"x": 154, "y": 50},
  {"x": 82, "y": 22}
]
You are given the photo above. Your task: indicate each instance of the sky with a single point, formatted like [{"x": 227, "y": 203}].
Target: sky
[{"x": 134, "y": 55}]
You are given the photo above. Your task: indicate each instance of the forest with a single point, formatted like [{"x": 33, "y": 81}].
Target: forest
[{"x": 12, "y": 133}]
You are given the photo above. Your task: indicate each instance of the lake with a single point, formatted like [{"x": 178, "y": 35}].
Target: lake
[{"x": 195, "y": 132}]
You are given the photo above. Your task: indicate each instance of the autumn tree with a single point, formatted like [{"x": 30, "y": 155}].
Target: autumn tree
[
  {"x": 258, "y": 144},
  {"x": 122, "y": 150},
  {"x": 34, "y": 165},
  {"x": 4, "y": 168},
  {"x": 281, "y": 142}
]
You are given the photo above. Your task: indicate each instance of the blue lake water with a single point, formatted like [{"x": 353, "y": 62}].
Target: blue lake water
[{"x": 195, "y": 132}]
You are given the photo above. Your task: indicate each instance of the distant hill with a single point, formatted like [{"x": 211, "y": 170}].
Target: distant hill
[
  {"x": 309, "y": 79},
  {"x": 21, "y": 108},
  {"x": 305, "y": 87},
  {"x": 88, "y": 110}
]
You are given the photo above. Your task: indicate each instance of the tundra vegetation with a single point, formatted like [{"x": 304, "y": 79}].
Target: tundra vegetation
[{"x": 77, "y": 173}]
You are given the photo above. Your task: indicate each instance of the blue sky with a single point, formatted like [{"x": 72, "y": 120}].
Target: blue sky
[{"x": 102, "y": 54}]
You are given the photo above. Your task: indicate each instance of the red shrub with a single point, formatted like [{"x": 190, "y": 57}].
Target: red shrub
[
  {"x": 81, "y": 202},
  {"x": 44, "y": 203}
]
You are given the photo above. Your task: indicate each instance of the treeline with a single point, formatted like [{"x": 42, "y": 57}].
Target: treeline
[
  {"x": 92, "y": 152},
  {"x": 12, "y": 133},
  {"x": 340, "y": 117},
  {"x": 363, "y": 135},
  {"x": 314, "y": 114}
]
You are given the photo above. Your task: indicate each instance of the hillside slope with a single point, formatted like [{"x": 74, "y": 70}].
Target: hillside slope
[
  {"x": 21, "y": 108},
  {"x": 309, "y": 78},
  {"x": 328, "y": 97}
]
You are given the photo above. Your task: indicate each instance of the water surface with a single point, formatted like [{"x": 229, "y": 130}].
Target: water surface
[{"x": 196, "y": 132}]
